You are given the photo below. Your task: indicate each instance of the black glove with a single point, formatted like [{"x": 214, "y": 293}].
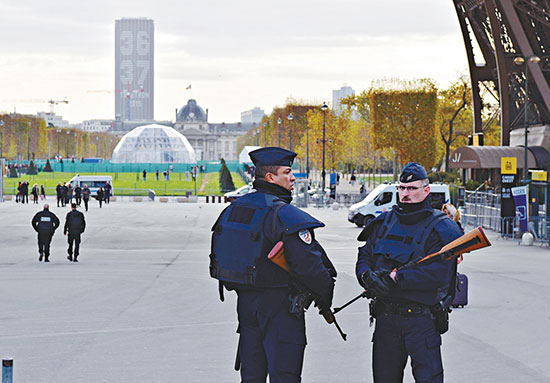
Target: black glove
[{"x": 376, "y": 283}]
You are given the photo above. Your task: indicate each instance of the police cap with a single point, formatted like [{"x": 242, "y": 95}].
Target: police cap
[
  {"x": 413, "y": 172},
  {"x": 272, "y": 156}
]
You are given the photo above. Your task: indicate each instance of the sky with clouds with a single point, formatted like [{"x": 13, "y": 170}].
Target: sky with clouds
[{"x": 236, "y": 54}]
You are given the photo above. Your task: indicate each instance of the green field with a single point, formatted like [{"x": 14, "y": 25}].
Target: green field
[{"x": 131, "y": 183}]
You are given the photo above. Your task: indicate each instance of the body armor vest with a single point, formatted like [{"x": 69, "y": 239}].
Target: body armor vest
[{"x": 239, "y": 245}]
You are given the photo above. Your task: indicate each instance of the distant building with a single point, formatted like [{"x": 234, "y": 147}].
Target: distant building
[
  {"x": 211, "y": 141},
  {"x": 252, "y": 116},
  {"x": 338, "y": 95},
  {"x": 96, "y": 126},
  {"x": 134, "y": 69},
  {"x": 52, "y": 119}
]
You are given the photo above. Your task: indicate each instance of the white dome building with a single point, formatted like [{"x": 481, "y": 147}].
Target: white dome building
[{"x": 153, "y": 144}]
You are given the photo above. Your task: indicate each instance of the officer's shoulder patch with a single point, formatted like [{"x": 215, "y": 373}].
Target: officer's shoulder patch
[{"x": 305, "y": 236}]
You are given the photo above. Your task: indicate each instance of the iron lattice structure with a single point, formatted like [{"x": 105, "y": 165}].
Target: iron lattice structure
[{"x": 504, "y": 30}]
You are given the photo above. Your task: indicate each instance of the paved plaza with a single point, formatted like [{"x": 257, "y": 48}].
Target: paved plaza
[{"x": 140, "y": 305}]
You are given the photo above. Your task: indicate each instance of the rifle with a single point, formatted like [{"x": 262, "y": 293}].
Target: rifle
[
  {"x": 473, "y": 240},
  {"x": 277, "y": 256}
]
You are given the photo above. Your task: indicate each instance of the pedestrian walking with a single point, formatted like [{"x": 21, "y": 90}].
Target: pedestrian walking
[
  {"x": 34, "y": 193},
  {"x": 100, "y": 195},
  {"x": 64, "y": 192},
  {"x": 157, "y": 174},
  {"x": 25, "y": 192},
  {"x": 409, "y": 304},
  {"x": 42, "y": 192},
  {"x": 86, "y": 196},
  {"x": 272, "y": 336},
  {"x": 78, "y": 194},
  {"x": 18, "y": 195},
  {"x": 59, "y": 194},
  {"x": 45, "y": 223},
  {"x": 144, "y": 175},
  {"x": 107, "y": 191},
  {"x": 69, "y": 199},
  {"x": 75, "y": 224}
]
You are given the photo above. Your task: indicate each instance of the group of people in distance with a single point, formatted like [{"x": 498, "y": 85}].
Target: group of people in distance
[{"x": 23, "y": 192}]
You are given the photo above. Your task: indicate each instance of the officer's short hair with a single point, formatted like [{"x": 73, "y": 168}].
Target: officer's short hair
[
  {"x": 73, "y": 205},
  {"x": 261, "y": 171}
]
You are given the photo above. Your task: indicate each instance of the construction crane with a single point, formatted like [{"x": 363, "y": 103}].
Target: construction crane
[{"x": 55, "y": 102}]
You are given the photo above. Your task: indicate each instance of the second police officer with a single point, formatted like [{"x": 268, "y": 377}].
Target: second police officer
[
  {"x": 75, "y": 224},
  {"x": 272, "y": 338},
  {"x": 409, "y": 321}
]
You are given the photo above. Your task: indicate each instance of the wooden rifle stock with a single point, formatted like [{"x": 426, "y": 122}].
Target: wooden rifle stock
[
  {"x": 473, "y": 240},
  {"x": 277, "y": 256}
]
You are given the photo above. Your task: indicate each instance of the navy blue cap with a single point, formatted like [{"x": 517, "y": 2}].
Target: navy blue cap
[
  {"x": 272, "y": 156},
  {"x": 413, "y": 172}
]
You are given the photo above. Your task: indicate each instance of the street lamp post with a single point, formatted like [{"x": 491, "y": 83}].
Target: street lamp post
[
  {"x": 28, "y": 140},
  {"x": 290, "y": 118},
  {"x": 58, "y": 130},
  {"x": 1, "y": 138},
  {"x": 324, "y": 108},
  {"x": 519, "y": 61},
  {"x": 279, "y": 122},
  {"x": 307, "y": 152}
]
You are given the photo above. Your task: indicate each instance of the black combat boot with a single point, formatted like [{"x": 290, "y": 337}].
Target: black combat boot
[{"x": 70, "y": 257}]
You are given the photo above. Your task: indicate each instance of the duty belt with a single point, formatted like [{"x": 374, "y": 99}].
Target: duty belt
[{"x": 404, "y": 308}]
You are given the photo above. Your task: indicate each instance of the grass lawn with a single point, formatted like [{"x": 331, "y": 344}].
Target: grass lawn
[{"x": 130, "y": 183}]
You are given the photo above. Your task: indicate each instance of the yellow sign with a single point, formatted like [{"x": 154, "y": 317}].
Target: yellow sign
[
  {"x": 508, "y": 165},
  {"x": 539, "y": 175}
]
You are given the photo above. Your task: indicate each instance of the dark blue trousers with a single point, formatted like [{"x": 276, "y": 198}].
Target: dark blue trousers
[
  {"x": 271, "y": 340},
  {"x": 396, "y": 337}
]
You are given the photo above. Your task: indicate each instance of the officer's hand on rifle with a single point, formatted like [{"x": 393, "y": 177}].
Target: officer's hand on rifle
[{"x": 375, "y": 282}]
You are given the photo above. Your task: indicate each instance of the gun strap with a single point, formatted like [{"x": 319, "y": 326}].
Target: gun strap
[{"x": 220, "y": 290}]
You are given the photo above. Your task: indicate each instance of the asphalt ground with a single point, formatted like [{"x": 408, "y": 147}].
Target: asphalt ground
[{"x": 140, "y": 305}]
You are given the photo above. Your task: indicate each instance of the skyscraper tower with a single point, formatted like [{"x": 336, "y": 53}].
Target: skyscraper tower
[{"x": 134, "y": 69}]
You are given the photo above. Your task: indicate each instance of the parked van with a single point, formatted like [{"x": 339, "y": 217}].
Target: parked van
[
  {"x": 93, "y": 182},
  {"x": 385, "y": 196}
]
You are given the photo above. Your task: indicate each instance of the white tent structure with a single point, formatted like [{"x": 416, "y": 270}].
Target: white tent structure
[
  {"x": 154, "y": 144},
  {"x": 244, "y": 158}
]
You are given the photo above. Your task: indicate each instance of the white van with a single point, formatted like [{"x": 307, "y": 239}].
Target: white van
[
  {"x": 93, "y": 182},
  {"x": 385, "y": 196}
]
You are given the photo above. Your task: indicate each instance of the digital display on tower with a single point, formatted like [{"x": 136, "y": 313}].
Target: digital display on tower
[{"x": 134, "y": 75}]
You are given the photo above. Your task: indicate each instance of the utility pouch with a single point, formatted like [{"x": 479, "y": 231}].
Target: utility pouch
[
  {"x": 441, "y": 314},
  {"x": 373, "y": 311},
  {"x": 299, "y": 303}
]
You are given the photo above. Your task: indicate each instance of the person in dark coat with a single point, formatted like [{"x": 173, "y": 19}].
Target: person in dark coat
[
  {"x": 64, "y": 192},
  {"x": 59, "y": 194},
  {"x": 75, "y": 224},
  {"x": 18, "y": 195},
  {"x": 69, "y": 198},
  {"x": 107, "y": 191},
  {"x": 407, "y": 300},
  {"x": 272, "y": 339},
  {"x": 42, "y": 192},
  {"x": 86, "y": 196},
  {"x": 25, "y": 192},
  {"x": 100, "y": 196},
  {"x": 34, "y": 193},
  {"x": 45, "y": 223},
  {"x": 78, "y": 194}
]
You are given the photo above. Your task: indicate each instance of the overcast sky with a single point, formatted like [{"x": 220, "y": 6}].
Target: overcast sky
[{"x": 236, "y": 54}]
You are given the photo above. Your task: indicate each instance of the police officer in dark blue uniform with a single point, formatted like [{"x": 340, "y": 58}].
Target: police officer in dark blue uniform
[
  {"x": 407, "y": 302},
  {"x": 271, "y": 322},
  {"x": 45, "y": 223}
]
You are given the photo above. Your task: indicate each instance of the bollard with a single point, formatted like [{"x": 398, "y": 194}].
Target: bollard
[
  {"x": 7, "y": 370},
  {"x": 213, "y": 199},
  {"x": 219, "y": 199},
  {"x": 224, "y": 199}
]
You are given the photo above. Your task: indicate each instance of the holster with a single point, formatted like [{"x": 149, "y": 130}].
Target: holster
[{"x": 441, "y": 311}]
